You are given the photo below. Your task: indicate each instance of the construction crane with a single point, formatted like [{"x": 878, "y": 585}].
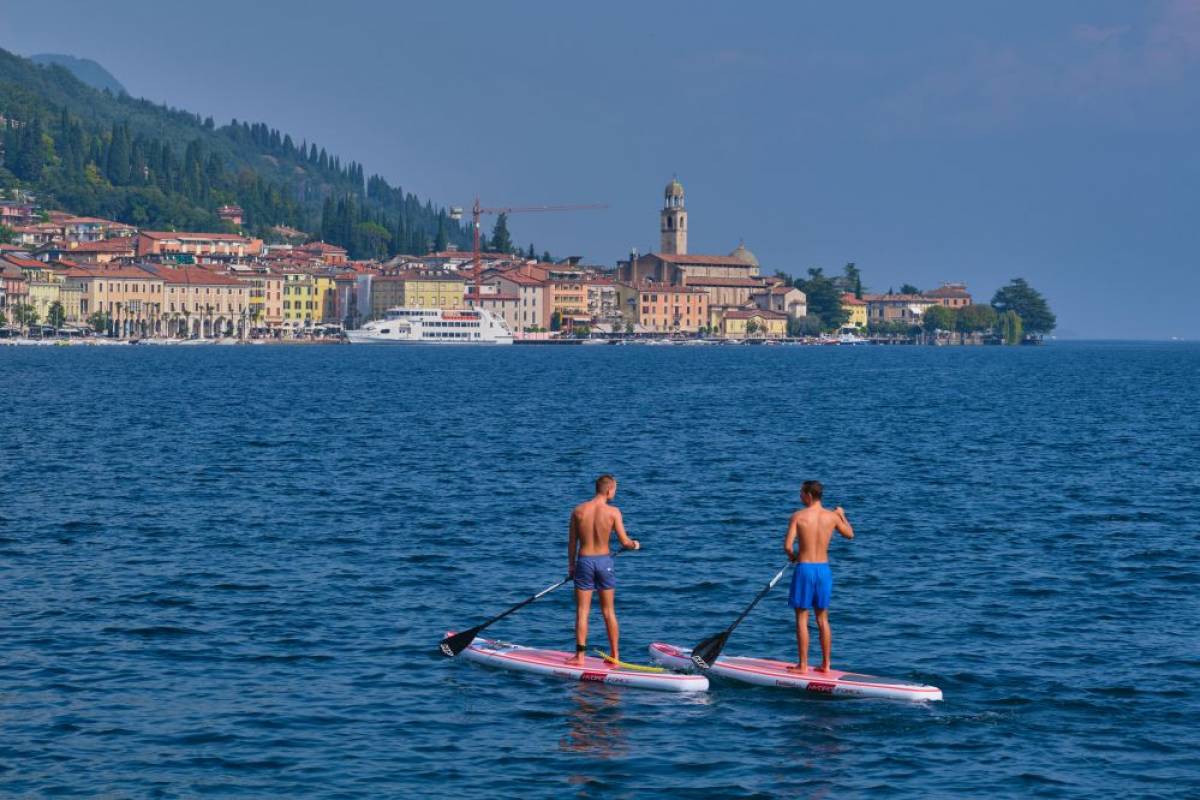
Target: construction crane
[{"x": 477, "y": 211}]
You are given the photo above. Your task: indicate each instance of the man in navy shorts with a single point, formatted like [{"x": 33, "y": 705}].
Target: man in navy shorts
[
  {"x": 812, "y": 580},
  {"x": 590, "y": 562}
]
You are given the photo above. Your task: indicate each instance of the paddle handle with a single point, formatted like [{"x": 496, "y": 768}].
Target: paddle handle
[{"x": 763, "y": 593}]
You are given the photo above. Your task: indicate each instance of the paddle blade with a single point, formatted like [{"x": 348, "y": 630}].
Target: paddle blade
[
  {"x": 704, "y": 655},
  {"x": 454, "y": 644}
]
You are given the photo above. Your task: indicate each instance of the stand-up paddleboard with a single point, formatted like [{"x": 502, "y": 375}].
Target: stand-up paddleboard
[
  {"x": 766, "y": 672},
  {"x": 596, "y": 670}
]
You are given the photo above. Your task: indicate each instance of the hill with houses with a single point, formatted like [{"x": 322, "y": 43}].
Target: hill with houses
[{"x": 109, "y": 155}]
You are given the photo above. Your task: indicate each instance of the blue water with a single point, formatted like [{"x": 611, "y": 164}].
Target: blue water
[{"x": 225, "y": 570}]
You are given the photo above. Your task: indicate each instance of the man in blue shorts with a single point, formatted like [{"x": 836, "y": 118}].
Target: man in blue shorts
[
  {"x": 590, "y": 562},
  {"x": 812, "y": 580}
]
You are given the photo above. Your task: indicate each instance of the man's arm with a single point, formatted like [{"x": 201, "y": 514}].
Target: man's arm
[
  {"x": 789, "y": 541},
  {"x": 619, "y": 525},
  {"x": 572, "y": 544},
  {"x": 843, "y": 525}
]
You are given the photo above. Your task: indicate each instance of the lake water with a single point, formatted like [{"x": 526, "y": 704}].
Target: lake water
[{"x": 225, "y": 571}]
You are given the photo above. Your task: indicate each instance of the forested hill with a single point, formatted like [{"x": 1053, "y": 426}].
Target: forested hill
[
  {"x": 93, "y": 153},
  {"x": 85, "y": 69}
]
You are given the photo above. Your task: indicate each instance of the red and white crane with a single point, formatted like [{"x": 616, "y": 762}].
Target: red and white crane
[{"x": 477, "y": 211}]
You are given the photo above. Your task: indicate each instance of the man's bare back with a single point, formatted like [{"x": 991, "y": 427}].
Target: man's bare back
[
  {"x": 812, "y": 581},
  {"x": 590, "y": 563},
  {"x": 813, "y": 527}
]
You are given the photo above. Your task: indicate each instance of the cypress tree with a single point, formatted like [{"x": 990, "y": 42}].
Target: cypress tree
[{"x": 117, "y": 165}]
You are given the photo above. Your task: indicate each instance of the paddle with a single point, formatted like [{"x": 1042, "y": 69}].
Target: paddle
[
  {"x": 704, "y": 655},
  {"x": 453, "y": 645}
]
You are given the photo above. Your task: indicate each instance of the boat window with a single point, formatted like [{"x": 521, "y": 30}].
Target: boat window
[{"x": 385, "y": 330}]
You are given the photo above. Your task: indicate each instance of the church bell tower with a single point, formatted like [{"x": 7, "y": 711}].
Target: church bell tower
[{"x": 674, "y": 220}]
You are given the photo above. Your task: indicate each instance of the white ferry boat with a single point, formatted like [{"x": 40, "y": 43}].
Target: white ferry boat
[{"x": 434, "y": 326}]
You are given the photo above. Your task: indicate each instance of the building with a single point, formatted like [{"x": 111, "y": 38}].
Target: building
[
  {"x": 417, "y": 289},
  {"x": 14, "y": 213},
  {"x": 603, "y": 303},
  {"x": 673, "y": 220},
  {"x": 129, "y": 298},
  {"x": 199, "y": 302},
  {"x": 94, "y": 229},
  {"x": 951, "y": 295},
  {"x": 231, "y": 214},
  {"x": 754, "y": 323},
  {"x": 905, "y": 308},
  {"x": 100, "y": 251},
  {"x": 856, "y": 310},
  {"x": 264, "y": 295},
  {"x": 783, "y": 298},
  {"x": 568, "y": 296},
  {"x": 16, "y": 286},
  {"x": 505, "y": 306},
  {"x": 219, "y": 245},
  {"x": 664, "y": 309},
  {"x": 533, "y": 302},
  {"x": 329, "y": 254}
]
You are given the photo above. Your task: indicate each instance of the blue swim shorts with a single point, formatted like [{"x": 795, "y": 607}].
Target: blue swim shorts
[
  {"x": 595, "y": 573},
  {"x": 812, "y": 585}
]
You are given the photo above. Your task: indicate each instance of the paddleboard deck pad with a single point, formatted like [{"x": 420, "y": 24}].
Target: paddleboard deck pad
[
  {"x": 766, "y": 672},
  {"x": 594, "y": 670}
]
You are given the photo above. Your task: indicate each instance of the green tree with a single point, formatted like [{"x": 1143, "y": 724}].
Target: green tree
[
  {"x": 501, "y": 242},
  {"x": 546, "y": 257},
  {"x": 3, "y": 318},
  {"x": 101, "y": 322},
  {"x": 117, "y": 166},
  {"x": 1011, "y": 327},
  {"x": 7, "y": 234},
  {"x": 824, "y": 299},
  {"x": 55, "y": 315},
  {"x": 532, "y": 254},
  {"x": 25, "y": 315},
  {"x": 975, "y": 318},
  {"x": 440, "y": 241},
  {"x": 751, "y": 328},
  {"x": 1028, "y": 303},
  {"x": 629, "y": 327},
  {"x": 908, "y": 288},
  {"x": 810, "y": 325},
  {"x": 582, "y": 331},
  {"x": 937, "y": 318},
  {"x": 556, "y": 321}
]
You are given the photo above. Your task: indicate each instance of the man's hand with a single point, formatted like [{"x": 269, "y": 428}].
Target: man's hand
[
  {"x": 570, "y": 570},
  {"x": 636, "y": 544}
]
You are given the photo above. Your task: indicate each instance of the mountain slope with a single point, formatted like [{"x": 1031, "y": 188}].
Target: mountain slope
[
  {"x": 84, "y": 69},
  {"x": 150, "y": 165}
]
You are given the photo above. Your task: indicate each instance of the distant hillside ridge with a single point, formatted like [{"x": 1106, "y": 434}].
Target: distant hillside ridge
[
  {"x": 146, "y": 164},
  {"x": 85, "y": 69}
]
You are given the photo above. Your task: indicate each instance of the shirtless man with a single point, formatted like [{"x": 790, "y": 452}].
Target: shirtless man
[
  {"x": 590, "y": 562},
  {"x": 812, "y": 582}
]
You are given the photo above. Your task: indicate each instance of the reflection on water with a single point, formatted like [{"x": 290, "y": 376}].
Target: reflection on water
[{"x": 594, "y": 723}]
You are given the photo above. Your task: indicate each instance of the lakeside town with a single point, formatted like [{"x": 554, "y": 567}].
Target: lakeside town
[{"x": 72, "y": 278}]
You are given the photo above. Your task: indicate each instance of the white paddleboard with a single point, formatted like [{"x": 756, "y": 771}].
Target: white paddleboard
[
  {"x": 553, "y": 663},
  {"x": 766, "y": 672}
]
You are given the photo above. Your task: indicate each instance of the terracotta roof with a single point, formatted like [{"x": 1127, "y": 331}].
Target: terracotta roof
[
  {"x": 663, "y": 288},
  {"x": 896, "y": 298},
  {"x": 519, "y": 279},
  {"x": 194, "y": 235},
  {"x": 751, "y": 283},
  {"x": 17, "y": 261},
  {"x": 948, "y": 290},
  {"x": 193, "y": 276},
  {"x": 103, "y": 273},
  {"x": 751, "y": 313},
  {"x": 710, "y": 261},
  {"x": 850, "y": 300}
]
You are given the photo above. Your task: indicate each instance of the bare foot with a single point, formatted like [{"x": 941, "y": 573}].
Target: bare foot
[
  {"x": 801, "y": 667},
  {"x": 823, "y": 668},
  {"x": 575, "y": 661}
]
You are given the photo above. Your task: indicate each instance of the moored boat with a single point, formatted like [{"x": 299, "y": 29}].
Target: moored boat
[{"x": 404, "y": 325}]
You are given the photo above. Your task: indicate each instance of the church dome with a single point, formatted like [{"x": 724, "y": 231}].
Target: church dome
[
  {"x": 674, "y": 189},
  {"x": 742, "y": 254}
]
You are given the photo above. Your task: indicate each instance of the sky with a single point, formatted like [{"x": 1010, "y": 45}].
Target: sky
[{"x": 926, "y": 142}]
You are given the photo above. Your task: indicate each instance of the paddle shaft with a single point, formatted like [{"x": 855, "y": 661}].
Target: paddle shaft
[
  {"x": 759, "y": 596},
  {"x": 448, "y": 645}
]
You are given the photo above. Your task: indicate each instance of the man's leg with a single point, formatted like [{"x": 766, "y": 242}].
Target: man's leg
[
  {"x": 801, "y": 640},
  {"x": 609, "y": 609},
  {"x": 583, "y": 605},
  {"x": 826, "y": 636}
]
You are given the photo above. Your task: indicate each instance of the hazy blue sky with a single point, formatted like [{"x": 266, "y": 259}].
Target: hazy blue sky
[{"x": 926, "y": 141}]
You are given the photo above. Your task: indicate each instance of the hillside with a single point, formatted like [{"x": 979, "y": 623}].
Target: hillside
[
  {"x": 144, "y": 163},
  {"x": 84, "y": 69}
]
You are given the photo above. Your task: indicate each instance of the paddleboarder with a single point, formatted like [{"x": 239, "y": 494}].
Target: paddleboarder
[
  {"x": 590, "y": 563},
  {"x": 812, "y": 580}
]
